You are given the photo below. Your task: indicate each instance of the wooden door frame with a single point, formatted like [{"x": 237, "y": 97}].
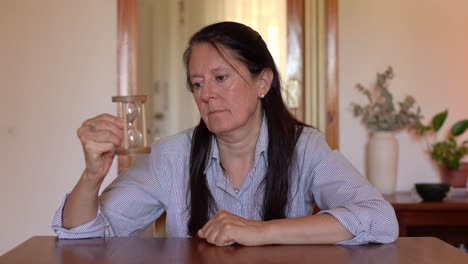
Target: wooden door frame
[
  {"x": 127, "y": 66},
  {"x": 296, "y": 37},
  {"x": 331, "y": 72}
]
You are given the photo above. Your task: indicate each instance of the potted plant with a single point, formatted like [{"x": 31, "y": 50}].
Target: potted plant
[
  {"x": 382, "y": 117},
  {"x": 448, "y": 153}
]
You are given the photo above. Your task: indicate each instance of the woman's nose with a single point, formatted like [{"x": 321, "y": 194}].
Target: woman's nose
[{"x": 207, "y": 91}]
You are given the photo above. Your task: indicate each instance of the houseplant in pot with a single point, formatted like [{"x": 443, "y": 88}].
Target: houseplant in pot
[
  {"x": 382, "y": 117},
  {"x": 448, "y": 153}
]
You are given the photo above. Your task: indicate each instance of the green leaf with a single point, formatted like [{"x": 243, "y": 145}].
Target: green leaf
[
  {"x": 438, "y": 120},
  {"x": 424, "y": 128},
  {"x": 451, "y": 142},
  {"x": 453, "y": 164},
  {"x": 459, "y": 127}
]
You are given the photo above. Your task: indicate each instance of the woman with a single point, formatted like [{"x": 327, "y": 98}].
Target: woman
[{"x": 249, "y": 173}]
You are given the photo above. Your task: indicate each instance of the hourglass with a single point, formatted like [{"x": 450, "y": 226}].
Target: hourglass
[{"x": 132, "y": 109}]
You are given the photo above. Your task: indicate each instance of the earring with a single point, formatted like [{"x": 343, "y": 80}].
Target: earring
[{"x": 262, "y": 96}]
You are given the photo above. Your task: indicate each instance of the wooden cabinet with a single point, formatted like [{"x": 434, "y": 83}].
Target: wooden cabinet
[{"x": 447, "y": 220}]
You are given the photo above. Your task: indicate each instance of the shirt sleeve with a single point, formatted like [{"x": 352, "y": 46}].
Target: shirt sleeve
[
  {"x": 99, "y": 227},
  {"x": 340, "y": 190},
  {"x": 127, "y": 206}
]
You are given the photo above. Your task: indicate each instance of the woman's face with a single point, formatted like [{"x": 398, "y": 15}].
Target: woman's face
[{"x": 227, "y": 95}]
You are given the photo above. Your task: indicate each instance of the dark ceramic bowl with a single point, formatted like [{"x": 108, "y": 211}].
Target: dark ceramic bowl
[{"x": 432, "y": 192}]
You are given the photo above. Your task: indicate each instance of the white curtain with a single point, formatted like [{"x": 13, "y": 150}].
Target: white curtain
[{"x": 267, "y": 17}]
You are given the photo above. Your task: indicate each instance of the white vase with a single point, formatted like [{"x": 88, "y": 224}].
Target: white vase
[{"x": 382, "y": 161}]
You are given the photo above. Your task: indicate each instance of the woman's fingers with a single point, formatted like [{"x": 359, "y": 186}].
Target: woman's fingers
[
  {"x": 218, "y": 230},
  {"x": 210, "y": 227},
  {"x": 105, "y": 117},
  {"x": 103, "y": 128},
  {"x": 207, "y": 227},
  {"x": 96, "y": 150},
  {"x": 100, "y": 136},
  {"x": 106, "y": 136},
  {"x": 225, "y": 229},
  {"x": 106, "y": 126}
]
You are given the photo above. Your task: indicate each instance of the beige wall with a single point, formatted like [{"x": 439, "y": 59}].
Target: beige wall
[
  {"x": 426, "y": 43},
  {"x": 57, "y": 67}
]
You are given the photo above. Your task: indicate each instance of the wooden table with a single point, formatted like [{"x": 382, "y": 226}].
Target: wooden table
[
  {"x": 181, "y": 250},
  {"x": 447, "y": 220}
]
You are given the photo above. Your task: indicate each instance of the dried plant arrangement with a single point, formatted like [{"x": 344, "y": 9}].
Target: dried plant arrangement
[{"x": 381, "y": 114}]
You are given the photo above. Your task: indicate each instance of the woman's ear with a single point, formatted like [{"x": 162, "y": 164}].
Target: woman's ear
[{"x": 264, "y": 82}]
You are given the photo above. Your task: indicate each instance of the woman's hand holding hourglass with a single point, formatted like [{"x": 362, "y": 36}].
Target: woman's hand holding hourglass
[{"x": 100, "y": 136}]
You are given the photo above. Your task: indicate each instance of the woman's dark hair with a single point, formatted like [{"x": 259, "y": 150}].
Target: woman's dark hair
[{"x": 283, "y": 129}]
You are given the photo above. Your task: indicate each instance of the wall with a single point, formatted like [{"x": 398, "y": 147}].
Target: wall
[
  {"x": 426, "y": 43},
  {"x": 57, "y": 68}
]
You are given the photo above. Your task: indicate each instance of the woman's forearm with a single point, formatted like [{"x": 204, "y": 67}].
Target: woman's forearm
[
  {"x": 82, "y": 204},
  {"x": 314, "y": 229}
]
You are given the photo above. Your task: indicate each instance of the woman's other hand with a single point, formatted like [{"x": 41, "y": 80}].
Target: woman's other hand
[
  {"x": 100, "y": 136},
  {"x": 225, "y": 229}
]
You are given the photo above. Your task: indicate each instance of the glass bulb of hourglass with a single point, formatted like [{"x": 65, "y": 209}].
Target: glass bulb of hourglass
[
  {"x": 133, "y": 111},
  {"x": 134, "y": 136}
]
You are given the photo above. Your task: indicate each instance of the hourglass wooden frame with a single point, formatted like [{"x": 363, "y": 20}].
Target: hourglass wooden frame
[{"x": 123, "y": 101}]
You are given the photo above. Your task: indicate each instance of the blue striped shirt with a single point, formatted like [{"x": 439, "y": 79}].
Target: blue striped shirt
[{"x": 158, "y": 182}]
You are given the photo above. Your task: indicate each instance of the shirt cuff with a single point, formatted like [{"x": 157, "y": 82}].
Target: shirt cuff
[
  {"x": 357, "y": 226},
  {"x": 99, "y": 227}
]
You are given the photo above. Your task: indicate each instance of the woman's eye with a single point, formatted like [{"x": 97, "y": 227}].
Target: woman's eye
[
  {"x": 197, "y": 85},
  {"x": 221, "y": 78}
]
